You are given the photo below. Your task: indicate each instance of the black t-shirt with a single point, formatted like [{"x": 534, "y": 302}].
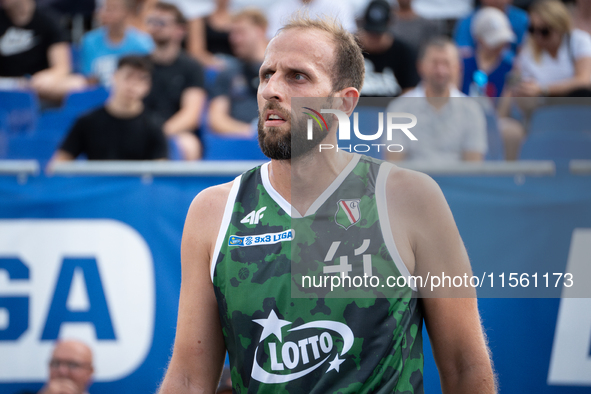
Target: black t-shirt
[
  {"x": 23, "y": 49},
  {"x": 387, "y": 73},
  {"x": 239, "y": 82},
  {"x": 168, "y": 84},
  {"x": 217, "y": 41},
  {"x": 101, "y": 136}
]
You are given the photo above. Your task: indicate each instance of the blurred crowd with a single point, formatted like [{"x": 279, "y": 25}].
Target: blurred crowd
[{"x": 176, "y": 69}]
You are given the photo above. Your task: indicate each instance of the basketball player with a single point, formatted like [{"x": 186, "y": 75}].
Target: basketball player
[{"x": 236, "y": 290}]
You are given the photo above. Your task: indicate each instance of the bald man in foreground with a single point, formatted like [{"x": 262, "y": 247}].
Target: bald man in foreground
[{"x": 70, "y": 369}]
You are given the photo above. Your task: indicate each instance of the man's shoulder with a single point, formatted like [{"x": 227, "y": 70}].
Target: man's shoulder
[
  {"x": 400, "y": 45},
  {"x": 516, "y": 14},
  {"x": 411, "y": 191},
  {"x": 186, "y": 61},
  {"x": 94, "y": 37},
  {"x": 136, "y": 37},
  {"x": 136, "y": 33},
  {"x": 5, "y": 22},
  {"x": 418, "y": 91},
  {"x": 464, "y": 24},
  {"x": 45, "y": 18},
  {"x": 232, "y": 64},
  {"x": 210, "y": 203}
]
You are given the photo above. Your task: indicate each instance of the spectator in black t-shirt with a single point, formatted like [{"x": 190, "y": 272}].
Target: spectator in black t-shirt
[
  {"x": 177, "y": 96},
  {"x": 122, "y": 129},
  {"x": 389, "y": 63},
  {"x": 234, "y": 105},
  {"x": 32, "y": 44}
]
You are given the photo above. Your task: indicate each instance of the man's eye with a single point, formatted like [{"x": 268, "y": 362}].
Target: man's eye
[
  {"x": 299, "y": 77},
  {"x": 267, "y": 75}
]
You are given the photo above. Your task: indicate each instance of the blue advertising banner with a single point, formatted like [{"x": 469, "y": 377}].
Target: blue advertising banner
[{"x": 98, "y": 258}]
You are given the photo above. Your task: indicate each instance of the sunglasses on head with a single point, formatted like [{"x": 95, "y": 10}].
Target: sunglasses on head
[{"x": 542, "y": 31}]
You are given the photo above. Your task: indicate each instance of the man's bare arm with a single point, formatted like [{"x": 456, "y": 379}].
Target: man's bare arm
[
  {"x": 61, "y": 155},
  {"x": 59, "y": 58},
  {"x": 198, "y": 355},
  {"x": 395, "y": 156},
  {"x": 472, "y": 156},
  {"x": 220, "y": 120},
  {"x": 433, "y": 244},
  {"x": 188, "y": 117}
]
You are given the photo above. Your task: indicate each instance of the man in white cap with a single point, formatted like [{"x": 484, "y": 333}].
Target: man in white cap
[
  {"x": 486, "y": 71},
  {"x": 518, "y": 20}
]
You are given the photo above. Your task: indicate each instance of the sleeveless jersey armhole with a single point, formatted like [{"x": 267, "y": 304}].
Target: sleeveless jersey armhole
[
  {"x": 228, "y": 210},
  {"x": 381, "y": 202}
]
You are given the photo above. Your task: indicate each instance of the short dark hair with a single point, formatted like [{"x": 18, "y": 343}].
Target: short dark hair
[
  {"x": 435, "y": 42},
  {"x": 179, "y": 18},
  {"x": 142, "y": 63}
]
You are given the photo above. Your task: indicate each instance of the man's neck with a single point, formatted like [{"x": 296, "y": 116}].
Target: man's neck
[
  {"x": 437, "y": 96},
  {"x": 436, "y": 91},
  {"x": 166, "y": 54},
  {"x": 21, "y": 12},
  {"x": 119, "y": 107},
  {"x": 117, "y": 33},
  {"x": 301, "y": 181},
  {"x": 486, "y": 59}
]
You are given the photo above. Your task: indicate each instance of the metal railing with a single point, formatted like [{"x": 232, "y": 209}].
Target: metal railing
[
  {"x": 153, "y": 168},
  {"x": 232, "y": 168},
  {"x": 488, "y": 168},
  {"x": 22, "y": 169},
  {"x": 580, "y": 167}
]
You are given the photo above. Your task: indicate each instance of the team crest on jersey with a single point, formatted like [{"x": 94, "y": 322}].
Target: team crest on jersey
[
  {"x": 303, "y": 349},
  {"x": 348, "y": 213}
]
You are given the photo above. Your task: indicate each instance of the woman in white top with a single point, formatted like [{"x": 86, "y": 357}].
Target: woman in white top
[{"x": 557, "y": 58}]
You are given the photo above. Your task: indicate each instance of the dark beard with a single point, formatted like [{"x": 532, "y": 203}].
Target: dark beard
[{"x": 294, "y": 143}]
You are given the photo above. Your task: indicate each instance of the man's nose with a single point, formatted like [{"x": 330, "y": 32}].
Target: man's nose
[
  {"x": 273, "y": 88},
  {"x": 64, "y": 370},
  {"x": 442, "y": 69}
]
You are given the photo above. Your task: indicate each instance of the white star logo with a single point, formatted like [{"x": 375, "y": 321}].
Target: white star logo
[
  {"x": 334, "y": 364},
  {"x": 271, "y": 325}
]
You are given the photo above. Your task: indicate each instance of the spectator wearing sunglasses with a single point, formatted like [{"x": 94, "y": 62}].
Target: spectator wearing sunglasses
[
  {"x": 70, "y": 369},
  {"x": 557, "y": 58}
]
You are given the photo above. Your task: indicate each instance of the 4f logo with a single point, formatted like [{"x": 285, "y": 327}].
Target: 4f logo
[{"x": 254, "y": 217}]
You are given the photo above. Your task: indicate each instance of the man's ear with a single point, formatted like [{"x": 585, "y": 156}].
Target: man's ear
[{"x": 349, "y": 97}]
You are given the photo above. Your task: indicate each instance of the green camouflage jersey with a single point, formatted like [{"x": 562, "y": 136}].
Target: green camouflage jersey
[{"x": 284, "y": 332}]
